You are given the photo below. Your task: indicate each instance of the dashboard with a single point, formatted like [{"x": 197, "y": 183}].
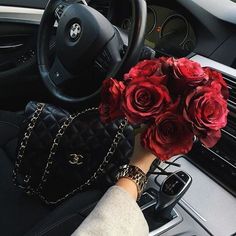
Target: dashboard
[
  {"x": 179, "y": 28},
  {"x": 167, "y": 32}
]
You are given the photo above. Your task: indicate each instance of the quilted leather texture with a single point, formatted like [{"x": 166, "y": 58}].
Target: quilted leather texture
[
  {"x": 86, "y": 136},
  {"x": 40, "y": 141}
]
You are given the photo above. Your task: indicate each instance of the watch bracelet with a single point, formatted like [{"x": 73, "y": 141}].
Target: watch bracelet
[{"x": 134, "y": 174}]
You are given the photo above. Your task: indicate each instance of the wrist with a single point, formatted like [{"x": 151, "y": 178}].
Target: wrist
[
  {"x": 143, "y": 163},
  {"x": 129, "y": 186},
  {"x": 132, "y": 173}
]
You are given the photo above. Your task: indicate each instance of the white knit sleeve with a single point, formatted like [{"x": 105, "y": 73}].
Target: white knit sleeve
[{"x": 116, "y": 214}]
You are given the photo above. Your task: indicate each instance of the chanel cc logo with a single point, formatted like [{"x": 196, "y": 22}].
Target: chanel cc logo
[{"x": 76, "y": 159}]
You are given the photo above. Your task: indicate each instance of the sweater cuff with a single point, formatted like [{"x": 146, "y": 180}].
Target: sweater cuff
[{"x": 116, "y": 213}]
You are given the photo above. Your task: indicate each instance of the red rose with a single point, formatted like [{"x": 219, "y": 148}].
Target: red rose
[
  {"x": 169, "y": 136},
  {"x": 206, "y": 109},
  {"x": 144, "y": 99},
  {"x": 109, "y": 108},
  {"x": 186, "y": 74},
  {"x": 216, "y": 77},
  {"x": 150, "y": 69}
]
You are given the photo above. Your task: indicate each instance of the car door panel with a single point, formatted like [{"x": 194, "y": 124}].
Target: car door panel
[
  {"x": 25, "y": 3},
  {"x": 17, "y": 48},
  {"x": 19, "y": 77}
]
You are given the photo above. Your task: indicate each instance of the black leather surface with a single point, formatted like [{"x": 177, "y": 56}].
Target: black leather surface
[
  {"x": 65, "y": 219},
  {"x": 40, "y": 142},
  {"x": 90, "y": 138},
  {"x": 20, "y": 213},
  {"x": 86, "y": 136}
]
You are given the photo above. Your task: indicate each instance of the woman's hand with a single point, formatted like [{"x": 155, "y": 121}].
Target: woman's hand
[{"x": 141, "y": 157}]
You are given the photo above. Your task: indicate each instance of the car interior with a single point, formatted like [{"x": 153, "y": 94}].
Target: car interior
[{"x": 42, "y": 59}]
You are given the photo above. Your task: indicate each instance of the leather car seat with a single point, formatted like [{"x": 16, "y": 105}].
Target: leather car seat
[{"x": 24, "y": 215}]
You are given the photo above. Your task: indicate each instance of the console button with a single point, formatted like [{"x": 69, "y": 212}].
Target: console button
[
  {"x": 183, "y": 176},
  {"x": 145, "y": 199}
]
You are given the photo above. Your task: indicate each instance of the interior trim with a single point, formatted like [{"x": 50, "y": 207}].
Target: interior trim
[
  {"x": 230, "y": 164},
  {"x": 204, "y": 61},
  {"x": 192, "y": 208},
  {"x": 151, "y": 203},
  {"x": 223, "y": 9},
  {"x": 20, "y": 14},
  {"x": 231, "y": 135},
  {"x": 11, "y": 46},
  {"x": 171, "y": 224}
]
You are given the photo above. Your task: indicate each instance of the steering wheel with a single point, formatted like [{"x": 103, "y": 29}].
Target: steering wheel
[{"x": 84, "y": 37}]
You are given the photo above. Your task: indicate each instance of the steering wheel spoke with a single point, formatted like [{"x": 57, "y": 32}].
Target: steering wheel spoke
[
  {"x": 61, "y": 6},
  {"x": 59, "y": 74},
  {"x": 59, "y": 10},
  {"x": 111, "y": 55}
]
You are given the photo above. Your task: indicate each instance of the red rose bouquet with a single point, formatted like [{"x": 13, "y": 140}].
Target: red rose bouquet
[{"x": 176, "y": 98}]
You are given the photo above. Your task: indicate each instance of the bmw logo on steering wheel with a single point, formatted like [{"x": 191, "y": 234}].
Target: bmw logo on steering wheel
[{"x": 75, "y": 31}]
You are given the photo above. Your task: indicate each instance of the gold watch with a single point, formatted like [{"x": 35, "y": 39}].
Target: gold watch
[{"x": 136, "y": 175}]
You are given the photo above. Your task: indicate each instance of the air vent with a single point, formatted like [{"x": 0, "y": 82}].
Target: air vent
[
  {"x": 232, "y": 89},
  {"x": 219, "y": 162},
  {"x": 232, "y": 105},
  {"x": 103, "y": 6}
]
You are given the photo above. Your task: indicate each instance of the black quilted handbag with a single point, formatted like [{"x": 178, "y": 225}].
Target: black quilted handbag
[{"x": 60, "y": 154}]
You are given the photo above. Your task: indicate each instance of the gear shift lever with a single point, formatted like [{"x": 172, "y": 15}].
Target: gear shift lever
[{"x": 171, "y": 191}]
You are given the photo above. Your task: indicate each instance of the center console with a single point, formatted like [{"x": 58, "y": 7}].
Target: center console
[
  {"x": 205, "y": 208},
  {"x": 158, "y": 206}
]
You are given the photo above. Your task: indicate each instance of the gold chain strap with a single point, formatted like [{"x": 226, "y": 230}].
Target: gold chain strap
[
  {"x": 57, "y": 140},
  {"x": 53, "y": 151},
  {"x": 96, "y": 174},
  {"x": 24, "y": 143}
]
